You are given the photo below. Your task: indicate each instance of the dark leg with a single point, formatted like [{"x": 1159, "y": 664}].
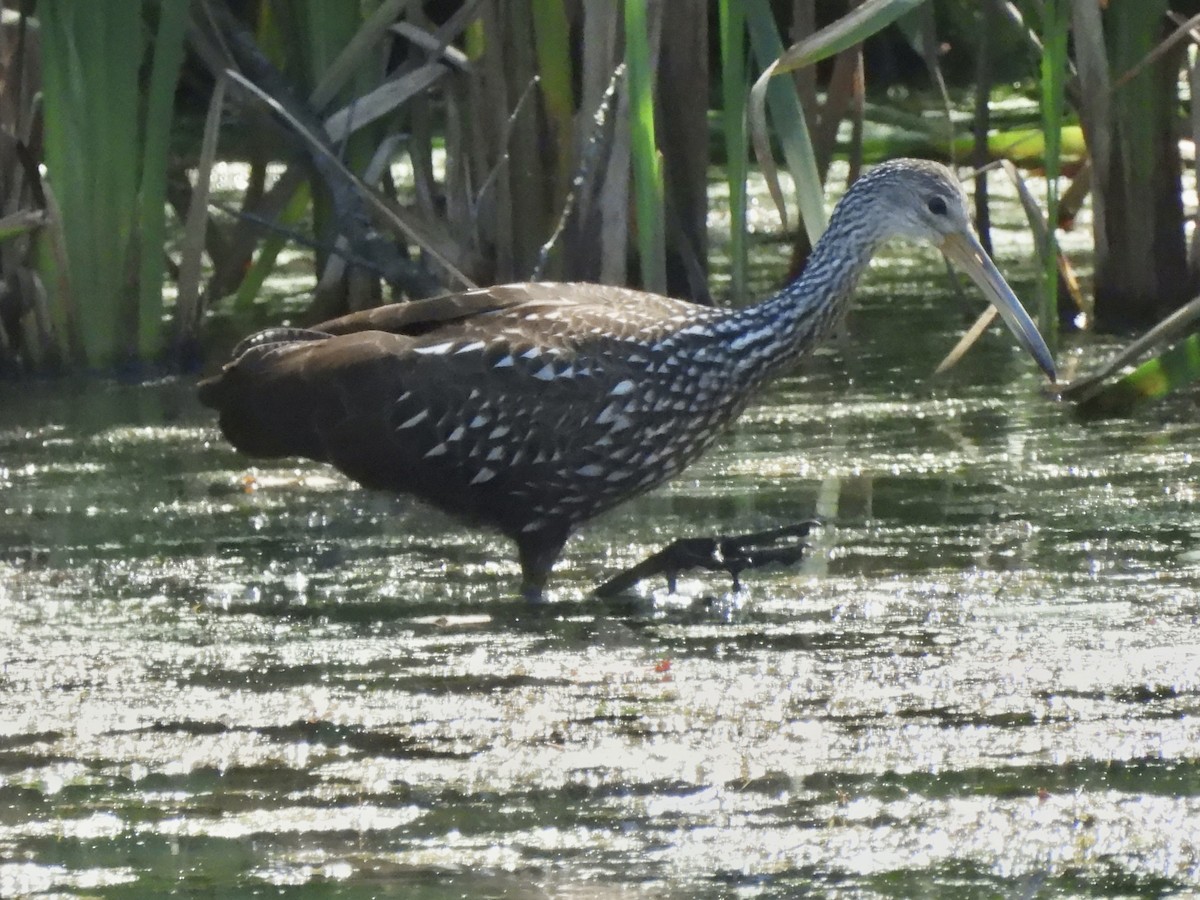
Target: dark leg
[
  {"x": 538, "y": 552},
  {"x": 732, "y": 554}
]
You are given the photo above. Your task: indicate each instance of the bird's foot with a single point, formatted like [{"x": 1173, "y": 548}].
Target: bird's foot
[{"x": 726, "y": 553}]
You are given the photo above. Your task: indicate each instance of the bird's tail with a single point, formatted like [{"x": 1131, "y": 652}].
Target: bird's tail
[{"x": 263, "y": 396}]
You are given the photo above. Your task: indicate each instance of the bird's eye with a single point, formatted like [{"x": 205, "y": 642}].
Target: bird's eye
[{"x": 937, "y": 206}]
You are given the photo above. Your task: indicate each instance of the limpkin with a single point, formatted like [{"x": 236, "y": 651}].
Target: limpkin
[{"x": 530, "y": 408}]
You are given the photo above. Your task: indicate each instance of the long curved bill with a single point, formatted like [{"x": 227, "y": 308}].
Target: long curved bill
[{"x": 963, "y": 249}]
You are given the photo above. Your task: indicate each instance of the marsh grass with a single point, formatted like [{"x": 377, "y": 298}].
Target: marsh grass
[{"x": 106, "y": 140}]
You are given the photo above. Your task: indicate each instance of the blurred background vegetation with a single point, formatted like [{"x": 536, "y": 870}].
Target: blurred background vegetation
[{"x": 417, "y": 146}]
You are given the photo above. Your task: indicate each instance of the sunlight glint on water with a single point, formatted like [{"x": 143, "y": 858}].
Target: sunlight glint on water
[{"x": 984, "y": 682}]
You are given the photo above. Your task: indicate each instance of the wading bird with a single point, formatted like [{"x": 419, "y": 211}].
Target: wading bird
[{"x": 531, "y": 408}]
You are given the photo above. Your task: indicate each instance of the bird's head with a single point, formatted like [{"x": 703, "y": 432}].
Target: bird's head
[
  {"x": 923, "y": 201},
  {"x": 916, "y": 199}
]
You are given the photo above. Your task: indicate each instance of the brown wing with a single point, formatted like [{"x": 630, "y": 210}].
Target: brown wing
[
  {"x": 614, "y": 309},
  {"x": 419, "y": 317}
]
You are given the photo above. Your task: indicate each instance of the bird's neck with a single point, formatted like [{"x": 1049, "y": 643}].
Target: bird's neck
[{"x": 782, "y": 327}]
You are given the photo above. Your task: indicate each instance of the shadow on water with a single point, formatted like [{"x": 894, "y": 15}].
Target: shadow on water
[{"x": 983, "y": 682}]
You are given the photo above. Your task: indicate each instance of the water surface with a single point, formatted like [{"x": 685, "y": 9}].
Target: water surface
[{"x": 984, "y": 682}]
